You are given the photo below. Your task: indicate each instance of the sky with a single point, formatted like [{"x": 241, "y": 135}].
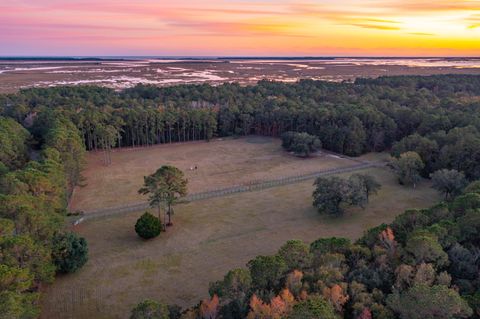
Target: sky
[{"x": 240, "y": 28}]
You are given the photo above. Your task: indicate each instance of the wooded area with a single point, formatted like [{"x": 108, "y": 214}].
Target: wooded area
[{"x": 435, "y": 116}]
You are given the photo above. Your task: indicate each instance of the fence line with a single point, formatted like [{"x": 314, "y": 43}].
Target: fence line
[{"x": 253, "y": 185}]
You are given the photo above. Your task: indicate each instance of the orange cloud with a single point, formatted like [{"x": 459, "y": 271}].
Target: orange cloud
[{"x": 241, "y": 27}]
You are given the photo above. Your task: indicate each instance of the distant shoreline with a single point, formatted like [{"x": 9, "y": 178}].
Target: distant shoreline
[{"x": 214, "y": 58}]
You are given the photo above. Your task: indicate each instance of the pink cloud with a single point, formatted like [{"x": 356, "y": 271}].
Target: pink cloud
[{"x": 221, "y": 27}]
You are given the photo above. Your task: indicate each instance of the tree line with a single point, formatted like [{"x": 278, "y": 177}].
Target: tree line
[{"x": 435, "y": 116}]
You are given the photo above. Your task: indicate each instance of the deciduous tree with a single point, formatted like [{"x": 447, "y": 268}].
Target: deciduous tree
[
  {"x": 449, "y": 182},
  {"x": 407, "y": 168},
  {"x": 368, "y": 183},
  {"x": 425, "y": 302},
  {"x": 301, "y": 144}
]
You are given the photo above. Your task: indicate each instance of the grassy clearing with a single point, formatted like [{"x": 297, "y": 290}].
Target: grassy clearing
[
  {"x": 220, "y": 163},
  {"x": 209, "y": 238}
]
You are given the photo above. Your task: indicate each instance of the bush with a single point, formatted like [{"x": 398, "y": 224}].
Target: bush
[
  {"x": 148, "y": 226},
  {"x": 69, "y": 252}
]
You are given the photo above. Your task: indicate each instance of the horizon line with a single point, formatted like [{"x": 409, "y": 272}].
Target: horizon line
[{"x": 240, "y": 56}]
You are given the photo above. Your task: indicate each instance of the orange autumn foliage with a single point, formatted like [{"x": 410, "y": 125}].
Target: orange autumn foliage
[
  {"x": 336, "y": 296},
  {"x": 294, "y": 282},
  {"x": 387, "y": 239},
  {"x": 209, "y": 308},
  {"x": 258, "y": 309},
  {"x": 278, "y": 307}
]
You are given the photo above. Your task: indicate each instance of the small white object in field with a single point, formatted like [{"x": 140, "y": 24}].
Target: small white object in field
[{"x": 78, "y": 221}]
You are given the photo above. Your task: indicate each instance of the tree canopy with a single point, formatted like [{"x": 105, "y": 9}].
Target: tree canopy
[
  {"x": 408, "y": 167},
  {"x": 301, "y": 144},
  {"x": 449, "y": 182},
  {"x": 332, "y": 194}
]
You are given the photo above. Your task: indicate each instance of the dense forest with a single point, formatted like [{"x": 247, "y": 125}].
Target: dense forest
[
  {"x": 438, "y": 116},
  {"x": 424, "y": 265},
  {"x": 44, "y": 134},
  {"x": 35, "y": 181}
]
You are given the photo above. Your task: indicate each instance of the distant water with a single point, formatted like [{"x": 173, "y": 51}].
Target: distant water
[
  {"x": 411, "y": 62},
  {"x": 121, "y": 72},
  {"x": 458, "y": 62}
]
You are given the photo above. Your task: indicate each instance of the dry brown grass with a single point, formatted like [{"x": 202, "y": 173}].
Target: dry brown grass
[
  {"x": 209, "y": 238},
  {"x": 220, "y": 163}
]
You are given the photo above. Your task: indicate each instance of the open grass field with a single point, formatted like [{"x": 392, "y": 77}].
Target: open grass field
[
  {"x": 220, "y": 163},
  {"x": 209, "y": 238}
]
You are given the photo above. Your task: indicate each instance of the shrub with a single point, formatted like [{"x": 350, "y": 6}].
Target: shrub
[
  {"x": 69, "y": 252},
  {"x": 148, "y": 226}
]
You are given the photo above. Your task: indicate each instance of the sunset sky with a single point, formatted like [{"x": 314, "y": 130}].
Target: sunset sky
[{"x": 240, "y": 27}]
